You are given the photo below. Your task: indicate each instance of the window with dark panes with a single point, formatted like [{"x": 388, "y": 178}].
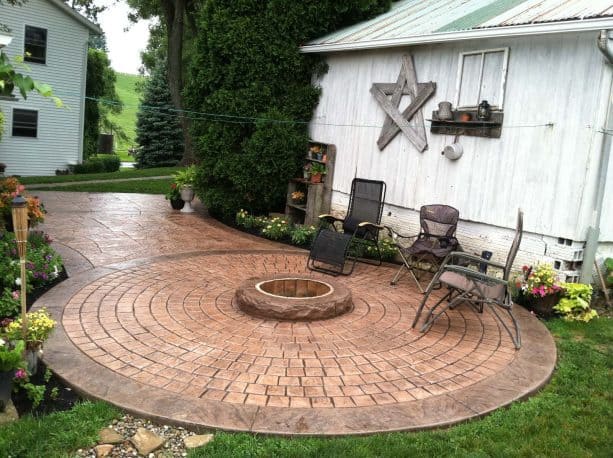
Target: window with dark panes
[
  {"x": 25, "y": 123},
  {"x": 35, "y": 45}
]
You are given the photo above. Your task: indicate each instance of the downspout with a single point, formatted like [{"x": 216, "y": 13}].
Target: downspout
[{"x": 593, "y": 232}]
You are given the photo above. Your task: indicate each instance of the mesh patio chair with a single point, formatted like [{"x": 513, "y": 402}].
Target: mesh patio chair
[
  {"x": 435, "y": 241},
  {"x": 340, "y": 239},
  {"x": 474, "y": 287}
]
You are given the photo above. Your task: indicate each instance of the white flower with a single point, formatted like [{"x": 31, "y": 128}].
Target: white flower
[
  {"x": 18, "y": 281},
  {"x": 2, "y": 342}
]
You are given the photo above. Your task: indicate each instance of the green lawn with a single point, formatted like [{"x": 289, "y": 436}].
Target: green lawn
[
  {"x": 126, "y": 89},
  {"x": 160, "y": 186},
  {"x": 571, "y": 417},
  {"x": 31, "y": 182}
]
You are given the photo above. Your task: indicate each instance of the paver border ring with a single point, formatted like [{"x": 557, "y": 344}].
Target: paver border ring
[{"x": 525, "y": 373}]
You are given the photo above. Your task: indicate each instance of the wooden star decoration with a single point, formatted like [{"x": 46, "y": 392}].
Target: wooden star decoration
[{"x": 395, "y": 121}]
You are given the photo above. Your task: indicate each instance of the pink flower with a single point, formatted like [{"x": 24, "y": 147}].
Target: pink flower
[
  {"x": 15, "y": 295},
  {"x": 21, "y": 374}
]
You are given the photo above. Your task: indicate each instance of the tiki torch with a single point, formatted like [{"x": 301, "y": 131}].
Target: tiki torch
[{"x": 20, "y": 226}]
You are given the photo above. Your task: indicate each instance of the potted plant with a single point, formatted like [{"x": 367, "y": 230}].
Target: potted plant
[
  {"x": 40, "y": 326},
  {"x": 174, "y": 196},
  {"x": 298, "y": 197},
  {"x": 185, "y": 180},
  {"x": 10, "y": 360},
  {"x": 317, "y": 171},
  {"x": 538, "y": 289}
]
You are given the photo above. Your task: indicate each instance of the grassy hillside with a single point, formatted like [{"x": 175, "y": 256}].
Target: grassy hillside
[{"x": 126, "y": 88}]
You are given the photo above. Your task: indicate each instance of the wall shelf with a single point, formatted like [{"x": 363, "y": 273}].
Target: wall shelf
[
  {"x": 318, "y": 195},
  {"x": 491, "y": 128}
]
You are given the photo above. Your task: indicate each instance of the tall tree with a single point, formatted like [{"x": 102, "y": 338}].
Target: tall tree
[
  {"x": 246, "y": 66},
  {"x": 102, "y": 99},
  {"x": 158, "y": 130},
  {"x": 174, "y": 14}
]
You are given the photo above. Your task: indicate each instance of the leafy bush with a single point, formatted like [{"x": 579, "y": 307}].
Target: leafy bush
[
  {"x": 575, "y": 305},
  {"x": 246, "y": 67},
  {"x": 9, "y": 188},
  {"x": 303, "y": 235},
  {"x": 99, "y": 164},
  {"x": 608, "y": 265},
  {"x": 276, "y": 229},
  {"x": 158, "y": 131}
]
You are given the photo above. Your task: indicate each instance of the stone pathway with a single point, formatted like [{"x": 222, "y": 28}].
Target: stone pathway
[{"x": 149, "y": 323}]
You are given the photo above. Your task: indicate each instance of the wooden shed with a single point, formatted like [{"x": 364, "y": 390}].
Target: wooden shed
[{"x": 544, "y": 68}]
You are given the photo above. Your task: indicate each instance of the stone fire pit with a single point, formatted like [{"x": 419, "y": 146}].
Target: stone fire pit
[{"x": 292, "y": 298}]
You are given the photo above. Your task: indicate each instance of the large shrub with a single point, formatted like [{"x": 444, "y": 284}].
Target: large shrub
[
  {"x": 246, "y": 65},
  {"x": 158, "y": 131},
  {"x": 99, "y": 164}
]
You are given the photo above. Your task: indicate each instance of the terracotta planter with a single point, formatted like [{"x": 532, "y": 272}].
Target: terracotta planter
[{"x": 316, "y": 178}]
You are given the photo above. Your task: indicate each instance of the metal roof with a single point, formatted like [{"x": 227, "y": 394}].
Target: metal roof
[{"x": 415, "y": 21}]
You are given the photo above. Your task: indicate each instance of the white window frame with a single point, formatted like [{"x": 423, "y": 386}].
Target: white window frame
[{"x": 503, "y": 77}]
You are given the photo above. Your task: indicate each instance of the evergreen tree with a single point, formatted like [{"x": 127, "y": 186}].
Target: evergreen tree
[
  {"x": 158, "y": 129},
  {"x": 246, "y": 65}
]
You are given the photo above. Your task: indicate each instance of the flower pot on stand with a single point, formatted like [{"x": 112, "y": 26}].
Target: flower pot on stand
[
  {"x": 543, "y": 306},
  {"x": 6, "y": 387},
  {"x": 187, "y": 194},
  {"x": 316, "y": 178}
]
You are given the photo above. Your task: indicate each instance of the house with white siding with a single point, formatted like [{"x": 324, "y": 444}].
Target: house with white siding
[
  {"x": 545, "y": 68},
  {"x": 39, "y": 138}
]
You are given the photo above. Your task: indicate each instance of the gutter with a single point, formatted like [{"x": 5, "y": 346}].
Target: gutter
[
  {"x": 605, "y": 46},
  {"x": 493, "y": 32}
]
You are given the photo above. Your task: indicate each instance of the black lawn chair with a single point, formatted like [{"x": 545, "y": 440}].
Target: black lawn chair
[
  {"x": 475, "y": 288},
  {"x": 435, "y": 241},
  {"x": 342, "y": 239}
]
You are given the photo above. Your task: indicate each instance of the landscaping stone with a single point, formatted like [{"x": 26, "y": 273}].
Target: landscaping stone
[
  {"x": 110, "y": 436},
  {"x": 198, "y": 440},
  {"x": 103, "y": 450},
  {"x": 146, "y": 441},
  {"x": 9, "y": 414}
]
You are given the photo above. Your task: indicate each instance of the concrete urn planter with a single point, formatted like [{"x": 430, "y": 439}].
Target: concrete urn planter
[{"x": 187, "y": 194}]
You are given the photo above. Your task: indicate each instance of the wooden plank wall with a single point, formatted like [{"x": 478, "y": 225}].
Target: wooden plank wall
[{"x": 549, "y": 171}]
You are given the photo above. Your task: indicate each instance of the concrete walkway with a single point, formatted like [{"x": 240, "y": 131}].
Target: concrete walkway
[{"x": 148, "y": 322}]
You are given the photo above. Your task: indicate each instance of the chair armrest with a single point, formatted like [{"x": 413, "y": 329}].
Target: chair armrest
[
  {"x": 367, "y": 223},
  {"x": 473, "y": 258},
  {"x": 330, "y": 218},
  {"x": 396, "y": 235},
  {"x": 473, "y": 274}
]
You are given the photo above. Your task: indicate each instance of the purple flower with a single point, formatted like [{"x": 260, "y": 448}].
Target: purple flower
[{"x": 21, "y": 374}]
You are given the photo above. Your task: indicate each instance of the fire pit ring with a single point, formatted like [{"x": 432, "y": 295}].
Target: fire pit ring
[{"x": 289, "y": 297}]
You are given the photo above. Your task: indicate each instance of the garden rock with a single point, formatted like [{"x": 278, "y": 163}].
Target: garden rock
[
  {"x": 110, "y": 436},
  {"x": 146, "y": 441},
  {"x": 197, "y": 441},
  {"x": 103, "y": 450},
  {"x": 9, "y": 413}
]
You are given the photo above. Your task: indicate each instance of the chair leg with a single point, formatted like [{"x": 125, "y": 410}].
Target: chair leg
[
  {"x": 406, "y": 265},
  {"x": 516, "y": 335},
  {"x": 431, "y": 318},
  {"x": 425, "y": 299}
]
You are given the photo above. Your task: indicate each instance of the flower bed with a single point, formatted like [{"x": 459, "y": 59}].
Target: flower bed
[{"x": 281, "y": 230}]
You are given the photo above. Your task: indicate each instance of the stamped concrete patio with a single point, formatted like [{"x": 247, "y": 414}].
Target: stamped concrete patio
[{"x": 148, "y": 323}]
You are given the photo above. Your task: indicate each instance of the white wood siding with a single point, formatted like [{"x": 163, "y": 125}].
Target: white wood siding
[
  {"x": 548, "y": 171},
  {"x": 60, "y": 130}
]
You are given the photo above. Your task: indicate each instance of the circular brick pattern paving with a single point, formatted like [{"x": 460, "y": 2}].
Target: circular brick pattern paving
[{"x": 171, "y": 327}]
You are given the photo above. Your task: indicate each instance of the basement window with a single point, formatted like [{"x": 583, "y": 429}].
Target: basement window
[
  {"x": 25, "y": 123},
  {"x": 35, "y": 45},
  {"x": 481, "y": 76}
]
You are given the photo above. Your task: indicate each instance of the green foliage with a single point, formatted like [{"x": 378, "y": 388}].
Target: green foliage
[
  {"x": 99, "y": 164},
  {"x": 575, "y": 305},
  {"x": 121, "y": 174},
  {"x": 101, "y": 101},
  {"x": 276, "y": 229},
  {"x": 158, "y": 131},
  {"x": 11, "y": 79},
  {"x": 11, "y": 354},
  {"x": 246, "y": 65},
  {"x": 608, "y": 265},
  {"x": 185, "y": 177},
  {"x": 9, "y": 302},
  {"x": 63, "y": 432},
  {"x": 136, "y": 186},
  {"x": 129, "y": 88},
  {"x": 303, "y": 235}
]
